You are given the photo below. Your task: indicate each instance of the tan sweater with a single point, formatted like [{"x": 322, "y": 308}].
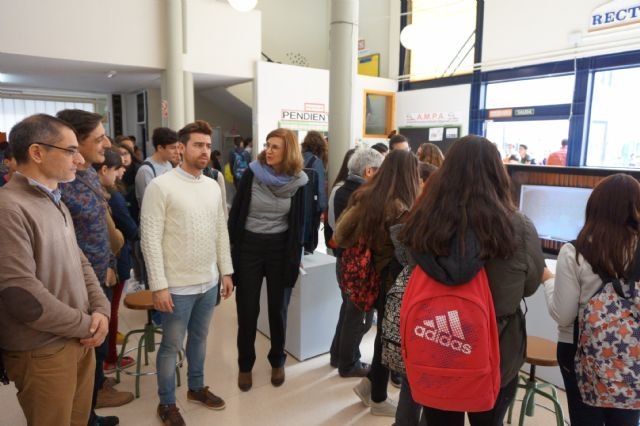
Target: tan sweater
[{"x": 48, "y": 289}]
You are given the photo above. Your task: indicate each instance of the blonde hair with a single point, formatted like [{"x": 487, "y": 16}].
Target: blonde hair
[
  {"x": 431, "y": 154},
  {"x": 292, "y": 158}
]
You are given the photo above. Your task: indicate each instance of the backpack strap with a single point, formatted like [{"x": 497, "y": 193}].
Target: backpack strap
[{"x": 153, "y": 169}]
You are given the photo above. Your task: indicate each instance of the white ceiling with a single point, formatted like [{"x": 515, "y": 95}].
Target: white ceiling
[{"x": 89, "y": 77}]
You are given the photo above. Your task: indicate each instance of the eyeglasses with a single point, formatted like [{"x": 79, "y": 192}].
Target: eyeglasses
[{"x": 70, "y": 151}]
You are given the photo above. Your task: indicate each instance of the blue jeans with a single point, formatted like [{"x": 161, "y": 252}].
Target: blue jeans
[{"x": 192, "y": 313}]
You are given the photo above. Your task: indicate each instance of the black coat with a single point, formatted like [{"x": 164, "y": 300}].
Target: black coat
[{"x": 238, "y": 218}]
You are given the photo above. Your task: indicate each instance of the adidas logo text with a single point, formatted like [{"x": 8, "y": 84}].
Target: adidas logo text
[{"x": 440, "y": 333}]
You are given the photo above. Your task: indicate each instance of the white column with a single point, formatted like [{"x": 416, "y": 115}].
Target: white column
[
  {"x": 189, "y": 103},
  {"x": 343, "y": 46},
  {"x": 174, "y": 70}
]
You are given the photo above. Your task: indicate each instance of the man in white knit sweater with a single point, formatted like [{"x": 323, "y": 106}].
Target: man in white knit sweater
[{"x": 186, "y": 249}]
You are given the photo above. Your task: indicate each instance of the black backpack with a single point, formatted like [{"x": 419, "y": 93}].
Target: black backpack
[{"x": 311, "y": 207}]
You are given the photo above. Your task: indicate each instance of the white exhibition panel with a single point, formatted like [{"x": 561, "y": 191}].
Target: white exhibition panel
[
  {"x": 280, "y": 88},
  {"x": 313, "y": 309}
]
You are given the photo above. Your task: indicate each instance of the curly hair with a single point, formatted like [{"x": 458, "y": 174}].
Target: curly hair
[{"x": 314, "y": 143}]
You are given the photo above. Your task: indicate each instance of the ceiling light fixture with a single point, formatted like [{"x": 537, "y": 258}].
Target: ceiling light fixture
[
  {"x": 243, "y": 5},
  {"x": 112, "y": 74},
  {"x": 410, "y": 36}
]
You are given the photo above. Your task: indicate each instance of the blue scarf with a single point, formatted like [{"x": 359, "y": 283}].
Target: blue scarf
[{"x": 267, "y": 175}]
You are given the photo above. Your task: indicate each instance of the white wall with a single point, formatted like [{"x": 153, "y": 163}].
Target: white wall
[
  {"x": 450, "y": 99},
  {"x": 221, "y": 40},
  {"x": 296, "y": 27},
  {"x": 373, "y": 28},
  {"x": 519, "y": 32},
  {"x": 285, "y": 87},
  {"x": 85, "y": 30}
]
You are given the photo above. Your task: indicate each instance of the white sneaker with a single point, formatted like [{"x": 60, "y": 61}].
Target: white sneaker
[
  {"x": 363, "y": 390},
  {"x": 385, "y": 408}
]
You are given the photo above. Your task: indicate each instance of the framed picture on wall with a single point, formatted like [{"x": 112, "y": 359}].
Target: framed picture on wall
[{"x": 379, "y": 113}]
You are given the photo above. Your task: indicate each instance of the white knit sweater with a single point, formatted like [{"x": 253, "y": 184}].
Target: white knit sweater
[{"x": 183, "y": 231}]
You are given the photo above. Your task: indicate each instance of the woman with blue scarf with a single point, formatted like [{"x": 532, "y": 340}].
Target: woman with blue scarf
[{"x": 265, "y": 229}]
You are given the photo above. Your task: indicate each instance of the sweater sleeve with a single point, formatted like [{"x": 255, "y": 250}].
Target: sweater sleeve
[
  {"x": 152, "y": 221},
  {"x": 535, "y": 258},
  {"x": 563, "y": 291},
  {"x": 122, "y": 217},
  {"x": 23, "y": 295},
  {"x": 322, "y": 191},
  {"x": 98, "y": 302},
  {"x": 223, "y": 249}
]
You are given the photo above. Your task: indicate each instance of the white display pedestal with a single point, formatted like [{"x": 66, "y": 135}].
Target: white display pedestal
[{"x": 313, "y": 310}]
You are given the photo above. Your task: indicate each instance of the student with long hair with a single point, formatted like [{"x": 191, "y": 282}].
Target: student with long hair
[
  {"x": 372, "y": 210},
  {"x": 430, "y": 154},
  {"x": 606, "y": 246},
  {"x": 464, "y": 220},
  {"x": 108, "y": 171},
  {"x": 265, "y": 229}
]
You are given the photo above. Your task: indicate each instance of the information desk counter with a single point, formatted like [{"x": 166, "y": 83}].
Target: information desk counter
[{"x": 313, "y": 310}]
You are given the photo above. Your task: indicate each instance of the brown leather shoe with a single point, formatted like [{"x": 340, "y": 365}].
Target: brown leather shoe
[
  {"x": 245, "y": 381},
  {"x": 170, "y": 415},
  {"x": 109, "y": 396},
  {"x": 206, "y": 397},
  {"x": 277, "y": 376}
]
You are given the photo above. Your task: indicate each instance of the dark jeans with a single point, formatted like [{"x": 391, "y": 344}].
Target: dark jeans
[
  {"x": 261, "y": 255},
  {"x": 352, "y": 325},
  {"x": 579, "y": 412},
  {"x": 379, "y": 374},
  {"x": 493, "y": 417},
  {"x": 408, "y": 413}
]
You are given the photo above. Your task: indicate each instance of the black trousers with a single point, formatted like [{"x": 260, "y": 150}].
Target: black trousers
[
  {"x": 579, "y": 412},
  {"x": 261, "y": 256},
  {"x": 379, "y": 374},
  {"x": 493, "y": 417},
  {"x": 352, "y": 325}
]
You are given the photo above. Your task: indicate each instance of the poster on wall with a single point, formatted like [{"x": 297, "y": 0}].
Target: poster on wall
[
  {"x": 435, "y": 134},
  {"x": 369, "y": 65},
  {"x": 451, "y": 133}
]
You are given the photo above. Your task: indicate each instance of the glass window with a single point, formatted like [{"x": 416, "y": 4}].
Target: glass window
[
  {"x": 614, "y": 128},
  {"x": 13, "y": 110},
  {"x": 541, "y": 137},
  {"x": 535, "y": 91},
  {"x": 446, "y": 30}
]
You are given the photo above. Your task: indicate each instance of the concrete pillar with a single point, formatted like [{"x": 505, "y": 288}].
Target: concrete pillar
[
  {"x": 343, "y": 47},
  {"x": 189, "y": 103},
  {"x": 174, "y": 70}
]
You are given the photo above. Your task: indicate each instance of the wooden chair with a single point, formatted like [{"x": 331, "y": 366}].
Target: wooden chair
[
  {"x": 142, "y": 300},
  {"x": 540, "y": 352}
]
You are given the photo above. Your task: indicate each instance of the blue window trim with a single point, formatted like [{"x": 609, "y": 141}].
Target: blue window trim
[{"x": 579, "y": 112}]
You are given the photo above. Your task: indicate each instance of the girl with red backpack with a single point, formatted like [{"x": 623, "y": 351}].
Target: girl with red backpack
[
  {"x": 376, "y": 206},
  {"x": 466, "y": 221}
]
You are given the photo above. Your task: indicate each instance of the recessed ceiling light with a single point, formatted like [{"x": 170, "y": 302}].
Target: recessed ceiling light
[
  {"x": 112, "y": 74},
  {"x": 243, "y": 5}
]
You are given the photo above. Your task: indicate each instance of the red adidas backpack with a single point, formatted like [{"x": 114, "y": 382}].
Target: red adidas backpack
[{"x": 450, "y": 343}]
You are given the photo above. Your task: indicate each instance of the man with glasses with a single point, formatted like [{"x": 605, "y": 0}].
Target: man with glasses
[
  {"x": 85, "y": 200},
  {"x": 52, "y": 310}
]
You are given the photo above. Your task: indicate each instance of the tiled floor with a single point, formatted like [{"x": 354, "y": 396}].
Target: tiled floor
[{"x": 313, "y": 393}]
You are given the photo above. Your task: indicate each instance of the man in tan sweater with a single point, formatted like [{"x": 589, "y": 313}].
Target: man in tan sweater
[
  {"x": 186, "y": 249},
  {"x": 52, "y": 310}
]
